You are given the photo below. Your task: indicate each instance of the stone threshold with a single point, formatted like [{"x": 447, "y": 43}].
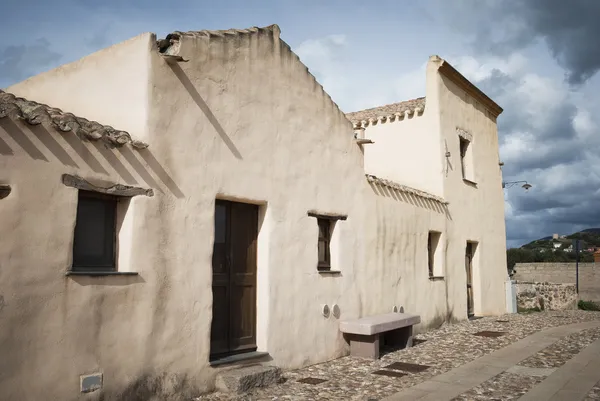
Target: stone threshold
[
  {"x": 236, "y": 358},
  {"x": 453, "y": 383}
]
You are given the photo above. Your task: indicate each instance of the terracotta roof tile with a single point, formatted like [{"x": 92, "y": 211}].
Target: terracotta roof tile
[
  {"x": 232, "y": 31},
  {"x": 389, "y": 110},
  {"x": 36, "y": 113}
]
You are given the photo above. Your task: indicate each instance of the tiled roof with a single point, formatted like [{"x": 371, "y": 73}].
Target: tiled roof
[
  {"x": 389, "y": 111},
  {"x": 169, "y": 46},
  {"x": 35, "y": 113},
  {"x": 232, "y": 31},
  {"x": 403, "y": 188}
]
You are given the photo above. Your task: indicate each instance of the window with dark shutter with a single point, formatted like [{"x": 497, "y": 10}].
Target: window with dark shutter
[{"x": 94, "y": 244}]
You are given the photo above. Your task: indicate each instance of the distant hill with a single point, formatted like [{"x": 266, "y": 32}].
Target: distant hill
[
  {"x": 590, "y": 237},
  {"x": 551, "y": 250}
]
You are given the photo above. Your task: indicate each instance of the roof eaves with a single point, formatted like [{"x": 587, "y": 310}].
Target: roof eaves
[
  {"x": 36, "y": 113},
  {"x": 406, "y": 189},
  {"x": 387, "y": 113},
  {"x": 449, "y": 71}
]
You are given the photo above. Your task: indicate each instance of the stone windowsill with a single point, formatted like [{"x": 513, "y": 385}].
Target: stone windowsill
[
  {"x": 330, "y": 272},
  {"x": 100, "y": 273},
  {"x": 436, "y": 278},
  {"x": 470, "y": 182}
]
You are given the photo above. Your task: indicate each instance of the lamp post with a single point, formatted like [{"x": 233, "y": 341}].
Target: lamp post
[{"x": 509, "y": 184}]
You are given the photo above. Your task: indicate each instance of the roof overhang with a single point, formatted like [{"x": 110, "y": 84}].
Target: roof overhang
[{"x": 451, "y": 73}]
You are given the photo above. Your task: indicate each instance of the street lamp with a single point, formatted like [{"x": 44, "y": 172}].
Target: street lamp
[{"x": 508, "y": 184}]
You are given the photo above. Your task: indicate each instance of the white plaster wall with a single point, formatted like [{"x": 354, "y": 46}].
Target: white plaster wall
[
  {"x": 396, "y": 270},
  {"x": 261, "y": 129},
  {"x": 109, "y": 86},
  {"x": 52, "y": 327},
  {"x": 477, "y": 211},
  {"x": 407, "y": 151}
]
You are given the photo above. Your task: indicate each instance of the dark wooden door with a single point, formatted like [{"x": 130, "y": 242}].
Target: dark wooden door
[
  {"x": 233, "y": 328},
  {"x": 469, "y": 271}
]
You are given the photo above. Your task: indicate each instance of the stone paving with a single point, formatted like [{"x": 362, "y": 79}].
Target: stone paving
[
  {"x": 594, "y": 393},
  {"x": 561, "y": 351},
  {"x": 505, "y": 386},
  {"x": 450, "y": 346}
]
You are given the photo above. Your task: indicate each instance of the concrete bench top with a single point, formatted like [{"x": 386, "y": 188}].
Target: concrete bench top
[{"x": 378, "y": 323}]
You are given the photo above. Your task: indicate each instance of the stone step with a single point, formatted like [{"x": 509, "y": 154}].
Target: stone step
[{"x": 243, "y": 379}]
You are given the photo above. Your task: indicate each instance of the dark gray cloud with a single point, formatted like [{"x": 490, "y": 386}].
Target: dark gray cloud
[
  {"x": 18, "y": 62},
  {"x": 570, "y": 28},
  {"x": 541, "y": 141}
]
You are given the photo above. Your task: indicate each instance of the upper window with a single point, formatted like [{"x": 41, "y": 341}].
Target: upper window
[
  {"x": 466, "y": 159},
  {"x": 94, "y": 245},
  {"x": 324, "y": 242}
]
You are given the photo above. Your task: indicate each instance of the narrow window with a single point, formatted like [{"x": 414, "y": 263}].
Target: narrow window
[
  {"x": 324, "y": 241},
  {"x": 94, "y": 245},
  {"x": 433, "y": 240},
  {"x": 464, "y": 146}
]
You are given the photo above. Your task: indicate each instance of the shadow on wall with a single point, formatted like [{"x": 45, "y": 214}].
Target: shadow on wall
[
  {"x": 411, "y": 199},
  {"x": 122, "y": 159},
  {"x": 442, "y": 318},
  {"x": 201, "y": 103},
  {"x": 148, "y": 386}
]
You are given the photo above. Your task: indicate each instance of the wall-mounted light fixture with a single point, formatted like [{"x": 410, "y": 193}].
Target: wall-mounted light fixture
[{"x": 508, "y": 184}]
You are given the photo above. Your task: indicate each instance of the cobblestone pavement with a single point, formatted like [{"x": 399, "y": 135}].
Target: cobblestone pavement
[
  {"x": 505, "y": 386},
  {"x": 561, "y": 351},
  {"x": 594, "y": 393},
  {"x": 443, "y": 349}
]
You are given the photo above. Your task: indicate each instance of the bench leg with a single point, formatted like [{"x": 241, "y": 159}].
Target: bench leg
[
  {"x": 401, "y": 338},
  {"x": 364, "y": 346}
]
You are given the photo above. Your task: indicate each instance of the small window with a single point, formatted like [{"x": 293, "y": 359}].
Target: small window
[
  {"x": 466, "y": 160},
  {"x": 433, "y": 240},
  {"x": 324, "y": 242},
  {"x": 94, "y": 244},
  {"x": 464, "y": 147}
]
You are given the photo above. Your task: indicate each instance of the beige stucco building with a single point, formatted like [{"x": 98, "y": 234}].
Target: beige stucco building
[{"x": 232, "y": 197}]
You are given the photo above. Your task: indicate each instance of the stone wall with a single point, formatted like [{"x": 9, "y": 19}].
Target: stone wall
[
  {"x": 546, "y": 296},
  {"x": 562, "y": 273}
]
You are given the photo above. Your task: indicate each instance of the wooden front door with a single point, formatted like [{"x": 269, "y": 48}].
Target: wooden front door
[
  {"x": 469, "y": 271},
  {"x": 233, "y": 328}
]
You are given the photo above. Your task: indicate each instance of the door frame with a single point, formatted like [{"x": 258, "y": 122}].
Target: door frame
[
  {"x": 470, "y": 274},
  {"x": 229, "y": 257}
]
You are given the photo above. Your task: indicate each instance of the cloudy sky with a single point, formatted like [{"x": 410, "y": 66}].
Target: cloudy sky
[{"x": 537, "y": 58}]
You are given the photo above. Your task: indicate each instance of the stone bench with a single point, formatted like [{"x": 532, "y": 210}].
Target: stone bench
[{"x": 368, "y": 333}]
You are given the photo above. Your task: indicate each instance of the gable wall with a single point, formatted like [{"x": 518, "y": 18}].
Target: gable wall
[
  {"x": 477, "y": 210},
  {"x": 109, "y": 86},
  {"x": 244, "y": 120}
]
